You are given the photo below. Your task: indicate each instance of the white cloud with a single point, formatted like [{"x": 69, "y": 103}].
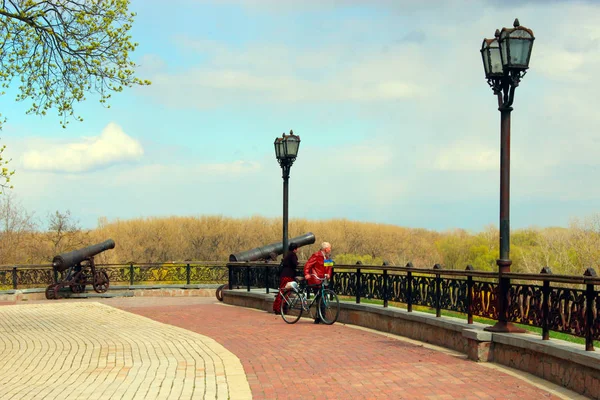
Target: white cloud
[
  {"x": 328, "y": 72},
  {"x": 111, "y": 147},
  {"x": 176, "y": 175},
  {"x": 467, "y": 156}
]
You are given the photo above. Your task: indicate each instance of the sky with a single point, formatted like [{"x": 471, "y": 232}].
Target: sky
[{"x": 396, "y": 120}]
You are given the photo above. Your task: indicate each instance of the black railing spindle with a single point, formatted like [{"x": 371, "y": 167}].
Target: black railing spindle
[
  {"x": 590, "y": 296},
  {"x": 545, "y": 304},
  {"x": 409, "y": 282},
  {"x": 385, "y": 288},
  {"x": 248, "y": 277},
  {"x": 358, "y": 285},
  {"x": 438, "y": 295},
  {"x": 469, "y": 299}
]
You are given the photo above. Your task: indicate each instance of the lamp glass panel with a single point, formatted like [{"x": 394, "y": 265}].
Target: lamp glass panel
[
  {"x": 516, "y": 52},
  {"x": 485, "y": 57},
  {"x": 279, "y": 148},
  {"x": 291, "y": 146},
  {"x": 519, "y": 42},
  {"x": 486, "y": 61},
  {"x": 504, "y": 46},
  {"x": 495, "y": 58}
]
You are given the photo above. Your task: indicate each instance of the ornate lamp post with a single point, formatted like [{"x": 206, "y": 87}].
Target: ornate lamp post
[
  {"x": 505, "y": 61},
  {"x": 286, "y": 150}
]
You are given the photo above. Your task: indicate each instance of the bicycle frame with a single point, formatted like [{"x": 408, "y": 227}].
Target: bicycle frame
[{"x": 296, "y": 301}]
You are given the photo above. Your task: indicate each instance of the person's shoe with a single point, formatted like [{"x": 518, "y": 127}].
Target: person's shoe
[{"x": 317, "y": 321}]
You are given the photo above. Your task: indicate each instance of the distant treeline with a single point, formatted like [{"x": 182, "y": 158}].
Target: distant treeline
[{"x": 205, "y": 238}]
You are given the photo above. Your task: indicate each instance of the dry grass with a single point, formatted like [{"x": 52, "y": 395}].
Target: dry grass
[{"x": 565, "y": 250}]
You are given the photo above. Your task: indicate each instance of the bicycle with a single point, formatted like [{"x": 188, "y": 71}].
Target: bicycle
[{"x": 295, "y": 301}]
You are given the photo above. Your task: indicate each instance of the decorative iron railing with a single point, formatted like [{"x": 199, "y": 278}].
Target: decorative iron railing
[
  {"x": 197, "y": 272},
  {"x": 560, "y": 303}
]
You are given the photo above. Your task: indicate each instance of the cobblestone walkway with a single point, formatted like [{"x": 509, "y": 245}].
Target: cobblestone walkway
[
  {"x": 81, "y": 349},
  {"x": 307, "y": 361},
  {"x": 86, "y": 350}
]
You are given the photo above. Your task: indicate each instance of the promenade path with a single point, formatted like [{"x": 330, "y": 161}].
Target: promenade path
[{"x": 196, "y": 348}]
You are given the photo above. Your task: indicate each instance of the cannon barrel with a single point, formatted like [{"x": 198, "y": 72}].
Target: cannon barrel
[
  {"x": 67, "y": 260},
  {"x": 260, "y": 253}
]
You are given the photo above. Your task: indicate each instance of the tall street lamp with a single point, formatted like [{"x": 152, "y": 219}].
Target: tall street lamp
[
  {"x": 505, "y": 61},
  {"x": 286, "y": 150}
]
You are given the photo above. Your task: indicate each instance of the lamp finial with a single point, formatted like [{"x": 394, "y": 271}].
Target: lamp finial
[{"x": 516, "y": 23}]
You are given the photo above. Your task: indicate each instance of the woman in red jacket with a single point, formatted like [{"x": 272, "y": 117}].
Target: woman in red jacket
[{"x": 316, "y": 266}]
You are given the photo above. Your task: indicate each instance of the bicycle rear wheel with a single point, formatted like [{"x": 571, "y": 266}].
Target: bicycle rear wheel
[
  {"x": 291, "y": 306},
  {"x": 329, "y": 307}
]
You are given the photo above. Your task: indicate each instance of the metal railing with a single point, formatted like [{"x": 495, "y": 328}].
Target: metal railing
[
  {"x": 559, "y": 303},
  {"x": 184, "y": 272}
]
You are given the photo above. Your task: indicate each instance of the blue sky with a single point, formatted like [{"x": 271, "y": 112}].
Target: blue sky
[{"x": 396, "y": 120}]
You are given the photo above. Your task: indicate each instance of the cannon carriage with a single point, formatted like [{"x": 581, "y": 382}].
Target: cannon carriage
[{"x": 76, "y": 269}]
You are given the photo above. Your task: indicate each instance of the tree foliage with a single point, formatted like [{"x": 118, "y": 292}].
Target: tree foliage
[
  {"x": 57, "y": 51},
  {"x": 5, "y": 174},
  {"x": 213, "y": 238},
  {"x": 62, "y": 49}
]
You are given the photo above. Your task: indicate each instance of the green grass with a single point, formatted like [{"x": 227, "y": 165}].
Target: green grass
[{"x": 487, "y": 321}]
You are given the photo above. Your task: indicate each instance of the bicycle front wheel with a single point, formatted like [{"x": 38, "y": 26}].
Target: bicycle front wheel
[
  {"x": 329, "y": 307},
  {"x": 291, "y": 306}
]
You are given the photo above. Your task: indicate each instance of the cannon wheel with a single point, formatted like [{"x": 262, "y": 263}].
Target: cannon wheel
[
  {"x": 79, "y": 285},
  {"x": 50, "y": 292},
  {"x": 101, "y": 282},
  {"x": 219, "y": 293},
  {"x": 56, "y": 291}
]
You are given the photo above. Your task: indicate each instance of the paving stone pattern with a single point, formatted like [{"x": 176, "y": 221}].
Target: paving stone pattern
[
  {"x": 307, "y": 361},
  {"x": 87, "y": 350}
]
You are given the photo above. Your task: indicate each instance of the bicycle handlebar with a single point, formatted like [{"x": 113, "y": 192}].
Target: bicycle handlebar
[{"x": 321, "y": 279}]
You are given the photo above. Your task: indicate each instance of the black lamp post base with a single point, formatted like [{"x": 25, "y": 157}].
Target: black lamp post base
[{"x": 504, "y": 327}]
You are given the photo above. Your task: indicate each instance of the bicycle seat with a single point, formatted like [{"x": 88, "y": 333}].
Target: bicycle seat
[{"x": 299, "y": 278}]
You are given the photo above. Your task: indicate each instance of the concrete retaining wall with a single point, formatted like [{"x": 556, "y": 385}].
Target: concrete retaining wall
[{"x": 117, "y": 291}]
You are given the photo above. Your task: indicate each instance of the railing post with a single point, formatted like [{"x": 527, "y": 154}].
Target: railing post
[
  {"x": 438, "y": 292},
  {"x": 469, "y": 295},
  {"x": 14, "y": 278},
  {"x": 248, "y": 277},
  {"x": 358, "y": 284},
  {"x": 357, "y": 295},
  {"x": 545, "y": 304},
  {"x": 131, "y": 274},
  {"x": 230, "y": 276},
  {"x": 267, "y": 278},
  {"x": 385, "y": 287},
  {"x": 331, "y": 281},
  {"x": 188, "y": 273},
  {"x": 409, "y": 282},
  {"x": 589, "y": 312}
]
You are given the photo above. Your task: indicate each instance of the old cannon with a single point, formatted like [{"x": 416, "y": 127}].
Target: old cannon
[
  {"x": 77, "y": 269},
  {"x": 264, "y": 252},
  {"x": 267, "y": 253}
]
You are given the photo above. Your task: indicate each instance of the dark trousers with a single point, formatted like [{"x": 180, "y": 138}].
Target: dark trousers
[{"x": 317, "y": 292}]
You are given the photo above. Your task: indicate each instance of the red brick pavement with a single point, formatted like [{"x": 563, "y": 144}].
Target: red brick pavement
[{"x": 335, "y": 362}]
